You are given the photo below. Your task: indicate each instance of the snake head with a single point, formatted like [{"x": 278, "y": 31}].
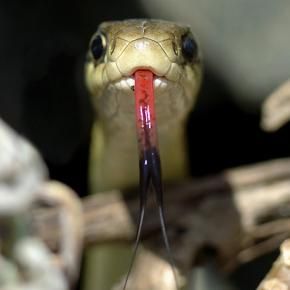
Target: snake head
[{"x": 120, "y": 48}]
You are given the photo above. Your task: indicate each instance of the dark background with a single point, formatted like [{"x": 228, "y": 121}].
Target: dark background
[{"x": 42, "y": 49}]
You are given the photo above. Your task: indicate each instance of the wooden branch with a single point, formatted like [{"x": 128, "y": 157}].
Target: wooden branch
[
  {"x": 278, "y": 276},
  {"x": 70, "y": 219},
  {"x": 276, "y": 108},
  {"x": 220, "y": 212}
]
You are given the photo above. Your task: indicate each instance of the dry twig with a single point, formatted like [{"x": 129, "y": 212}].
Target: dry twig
[
  {"x": 222, "y": 212},
  {"x": 279, "y": 276},
  {"x": 276, "y": 109}
]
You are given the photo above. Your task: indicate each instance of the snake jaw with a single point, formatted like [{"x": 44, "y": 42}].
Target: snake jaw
[{"x": 116, "y": 105}]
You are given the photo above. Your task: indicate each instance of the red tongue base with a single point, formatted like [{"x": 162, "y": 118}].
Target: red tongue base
[{"x": 145, "y": 110}]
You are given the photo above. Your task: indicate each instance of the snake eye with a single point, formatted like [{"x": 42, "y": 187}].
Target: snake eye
[
  {"x": 189, "y": 47},
  {"x": 98, "y": 46}
]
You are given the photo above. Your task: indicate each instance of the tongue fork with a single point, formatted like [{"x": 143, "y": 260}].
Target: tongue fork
[{"x": 149, "y": 158}]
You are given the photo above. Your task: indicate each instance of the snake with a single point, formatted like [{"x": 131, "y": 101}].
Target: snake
[{"x": 143, "y": 76}]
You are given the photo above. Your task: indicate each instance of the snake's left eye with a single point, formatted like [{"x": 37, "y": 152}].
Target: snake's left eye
[
  {"x": 98, "y": 45},
  {"x": 189, "y": 47}
]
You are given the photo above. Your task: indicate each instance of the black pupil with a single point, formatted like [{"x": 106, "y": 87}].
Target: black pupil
[
  {"x": 189, "y": 47},
  {"x": 97, "y": 47}
]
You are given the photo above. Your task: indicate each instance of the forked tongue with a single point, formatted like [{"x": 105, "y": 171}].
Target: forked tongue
[{"x": 149, "y": 158}]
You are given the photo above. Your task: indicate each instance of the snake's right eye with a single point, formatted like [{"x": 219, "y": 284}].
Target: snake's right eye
[
  {"x": 189, "y": 47},
  {"x": 98, "y": 46}
]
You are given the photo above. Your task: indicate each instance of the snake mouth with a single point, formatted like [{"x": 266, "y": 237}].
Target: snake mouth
[
  {"x": 169, "y": 99},
  {"x": 159, "y": 82}
]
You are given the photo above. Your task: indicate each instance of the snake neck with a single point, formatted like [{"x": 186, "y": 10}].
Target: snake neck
[{"x": 114, "y": 157}]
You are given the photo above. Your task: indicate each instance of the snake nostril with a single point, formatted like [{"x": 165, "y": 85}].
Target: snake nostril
[
  {"x": 112, "y": 46},
  {"x": 175, "y": 48}
]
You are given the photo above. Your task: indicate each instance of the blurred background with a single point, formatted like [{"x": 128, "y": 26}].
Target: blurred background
[{"x": 246, "y": 48}]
